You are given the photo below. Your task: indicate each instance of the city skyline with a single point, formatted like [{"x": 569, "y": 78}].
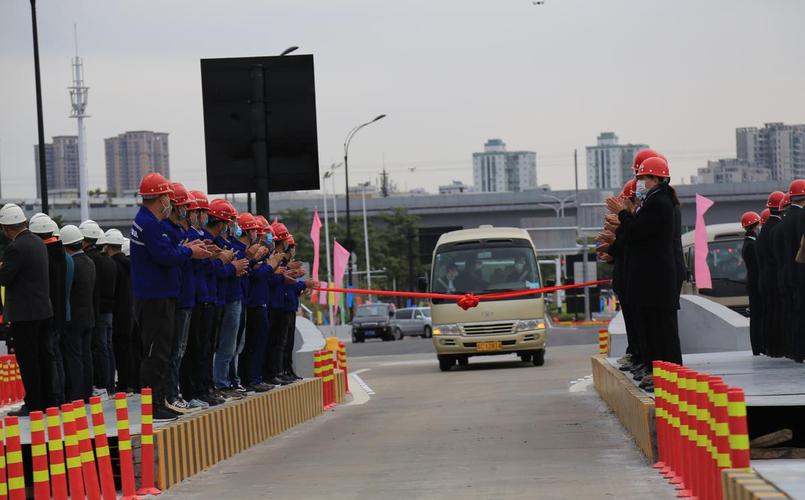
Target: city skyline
[{"x": 439, "y": 108}]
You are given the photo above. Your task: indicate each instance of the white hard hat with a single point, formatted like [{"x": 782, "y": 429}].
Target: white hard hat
[
  {"x": 91, "y": 230},
  {"x": 126, "y": 247},
  {"x": 71, "y": 234},
  {"x": 43, "y": 224},
  {"x": 11, "y": 214},
  {"x": 113, "y": 237}
]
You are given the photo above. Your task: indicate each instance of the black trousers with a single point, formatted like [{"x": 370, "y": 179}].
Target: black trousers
[
  {"x": 277, "y": 343},
  {"x": 252, "y": 359},
  {"x": 799, "y": 324},
  {"x": 208, "y": 338},
  {"x": 631, "y": 331},
  {"x": 57, "y": 376},
  {"x": 756, "y": 324},
  {"x": 188, "y": 380},
  {"x": 660, "y": 328},
  {"x": 127, "y": 359},
  {"x": 289, "y": 345},
  {"x": 156, "y": 318},
  {"x": 76, "y": 347},
  {"x": 32, "y": 344}
]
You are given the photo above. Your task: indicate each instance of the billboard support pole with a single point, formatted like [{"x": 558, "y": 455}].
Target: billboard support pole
[{"x": 259, "y": 144}]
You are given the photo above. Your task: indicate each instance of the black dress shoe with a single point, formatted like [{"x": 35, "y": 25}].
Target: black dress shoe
[
  {"x": 22, "y": 411},
  {"x": 279, "y": 381},
  {"x": 626, "y": 368}
]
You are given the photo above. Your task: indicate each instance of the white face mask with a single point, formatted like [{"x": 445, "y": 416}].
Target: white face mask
[
  {"x": 640, "y": 189},
  {"x": 166, "y": 207}
]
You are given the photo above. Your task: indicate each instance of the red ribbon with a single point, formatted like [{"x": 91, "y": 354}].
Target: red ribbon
[{"x": 468, "y": 300}]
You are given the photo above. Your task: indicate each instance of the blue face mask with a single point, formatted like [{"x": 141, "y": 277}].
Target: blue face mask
[
  {"x": 270, "y": 238},
  {"x": 237, "y": 232}
]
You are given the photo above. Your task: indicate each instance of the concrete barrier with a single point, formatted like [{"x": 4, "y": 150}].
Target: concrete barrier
[
  {"x": 704, "y": 326},
  {"x": 308, "y": 340}
]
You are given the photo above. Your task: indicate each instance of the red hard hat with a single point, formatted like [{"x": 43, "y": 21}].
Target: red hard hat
[
  {"x": 655, "y": 166},
  {"x": 154, "y": 184},
  {"x": 192, "y": 203},
  {"x": 786, "y": 201},
  {"x": 280, "y": 231},
  {"x": 797, "y": 188},
  {"x": 201, "y": 200},
  {"x": 265, "y": 227},
  {"x": 764, "y": 216},
  {"x": 247, "y": 221},
  {"x": 291, "y": 242},
  {"x": 749, "y": 219},
  {"x": 775, "y": 199},
  {"x": 629, "y": 190},
  {"x": 643, "y": 155},
  {"x": 179, "y": 195},
  {"x": 219, "y": 209}
]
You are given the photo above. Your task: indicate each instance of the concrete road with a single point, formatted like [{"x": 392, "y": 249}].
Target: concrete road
[{"x": 498, "y": 429}]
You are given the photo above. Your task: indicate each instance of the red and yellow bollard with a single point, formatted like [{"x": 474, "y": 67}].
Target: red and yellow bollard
[
  {"x": 74, "y": 474},
  {"x": 58, "y": 472},
  {"x": 739, "y": 432},
  {"x": 14, "y": 467},
  {"x": 342, "y": 364},
  {"x": 329, "y": 377},
  {"x": 147, "y": 440},
  {"x": 3, "y": 485},
  {"x": 124, "y": 446},
  {"x": 39, "y": 457},
  {"x": 91, "y": 485},
  {"x": 104, "y": 459},
  {"x": 603, "y": 342}
]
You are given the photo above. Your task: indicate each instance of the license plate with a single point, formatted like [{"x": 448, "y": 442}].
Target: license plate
[
  {"x": 489, "y": 346},
  {"x": 369, "y": 332}
]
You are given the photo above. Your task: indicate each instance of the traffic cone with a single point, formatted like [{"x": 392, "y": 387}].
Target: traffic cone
[
  {"x": 74, "y": 474},
  {"x": 58, "y": 472},
  {"x": 124, "y": 445},
  {"x": 16, "y": 473},
  {"x": 109, "y": 492},
  {"x": 147, "y": 440},
  {"x": 3, "y": 485},
  {"x": 91, "y": 486},
  {"x": 39, "y": 457},
  {"x": 739, "y": 432}
]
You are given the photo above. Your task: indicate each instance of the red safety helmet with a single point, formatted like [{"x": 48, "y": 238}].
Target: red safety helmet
[
  {"x": 265, "y": 227},
  {"x": 749, "y": 219},
  {"x": 655, "y": 166},
  {"x": 154, "y": 184},
  {"x": 786, "y": 201},
  {"x": 280, "y": 231},
  {"x": 643, "y": 155},
  {"x": 629, "y": 190},
  {"x": 797, "y": 188},
  {"x": 192, "y": 202},
  {"x": 775, "y": 199},
  {"x": 247, "y": 221},
  {"x": 219, "y": 208},
  {"x": 764, "y": 215},
  {"x": 179, "y": 196},
  {"x": 291, "y": 242},
  {"x": 201, "y": 200}
]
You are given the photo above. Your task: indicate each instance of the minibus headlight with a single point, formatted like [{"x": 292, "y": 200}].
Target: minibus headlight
[{"x": 449, "y": 329}]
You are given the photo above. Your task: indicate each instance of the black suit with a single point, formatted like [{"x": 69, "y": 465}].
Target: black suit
[
  {"x": 24, "y": 273},
  {"x": 749, "y": 254},
  {"x": 651, "y": 283},
  {"x": 126, "y": 351},
  {"x": 618, "y": 250},
  {"x": 768, "y": 284},
  {"x": 77, "y": 338},
  {"x": 790, "y": 229},
  {"x": 57, "y": 273},
  {"x": 783, "y": 290}
]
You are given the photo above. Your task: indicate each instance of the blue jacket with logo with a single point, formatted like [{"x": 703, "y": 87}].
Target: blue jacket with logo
[
  {"x": 187, "y": 287},
  {"x": 224, "y": 273},
  {"x": 199, "y": 268},
  {"x": 155, "y": 259}
]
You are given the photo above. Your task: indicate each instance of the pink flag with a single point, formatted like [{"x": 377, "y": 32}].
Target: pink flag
[
  {"x": 700, "y": 243},
  {"x": 340, "y": 259},
  {"x": 315, "y": 237}
]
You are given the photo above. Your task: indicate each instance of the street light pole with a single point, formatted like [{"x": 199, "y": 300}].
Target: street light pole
[
  {"x": 366, "y": 240},
  {"x": 348, "y": 140},
  {"x": 332, "y": 176},
  {"x": 40, "y": 121}
]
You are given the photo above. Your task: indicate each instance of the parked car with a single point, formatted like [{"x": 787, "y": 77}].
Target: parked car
[
  {"x": 375, "y": 321},
  {"x": 414, "y": 322}
]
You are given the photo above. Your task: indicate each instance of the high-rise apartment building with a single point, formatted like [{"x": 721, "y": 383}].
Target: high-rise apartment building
[
  {"x": 499, "y": 170},
  {"x": 777, "y": 147},
  {"x": 131, "y": 155},
  {"x": 609, "y": 164},
  {"x": 61, "y": 158}
]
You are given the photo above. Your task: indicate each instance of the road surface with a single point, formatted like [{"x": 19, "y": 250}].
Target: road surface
[{"x": 498, "y": 429}]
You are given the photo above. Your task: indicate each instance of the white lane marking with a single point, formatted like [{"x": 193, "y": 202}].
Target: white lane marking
[
  {"x": 581, "y": 385},
  {"x": 362, "y": 384},
  {"x": 362, "y": 370}
]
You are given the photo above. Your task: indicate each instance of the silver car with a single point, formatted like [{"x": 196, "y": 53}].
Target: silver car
[{"x": 413, "y": 322}]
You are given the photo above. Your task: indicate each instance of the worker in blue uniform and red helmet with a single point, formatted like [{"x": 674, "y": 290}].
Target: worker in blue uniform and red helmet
[
  {"x": 155, "y": 262},
  {"x": 750, "y": 221}
]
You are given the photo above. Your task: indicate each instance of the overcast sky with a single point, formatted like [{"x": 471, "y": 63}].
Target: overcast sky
[{"x": 679, "y": 75}]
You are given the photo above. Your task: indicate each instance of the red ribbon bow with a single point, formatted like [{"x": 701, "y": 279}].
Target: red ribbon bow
[{"x": 468, "y": 301}]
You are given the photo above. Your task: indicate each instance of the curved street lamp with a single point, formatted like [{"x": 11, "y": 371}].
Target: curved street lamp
[{"x": 347, "y": 141}]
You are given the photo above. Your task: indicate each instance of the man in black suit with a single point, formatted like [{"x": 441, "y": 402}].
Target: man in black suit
[
  {"x": 793, "y": 227},
  {"x": 750, "y": 221},
  {"x": 77, "y": 338},
  {"x": 24, "y": 273},
  {"x": 768, "y": 279}
]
